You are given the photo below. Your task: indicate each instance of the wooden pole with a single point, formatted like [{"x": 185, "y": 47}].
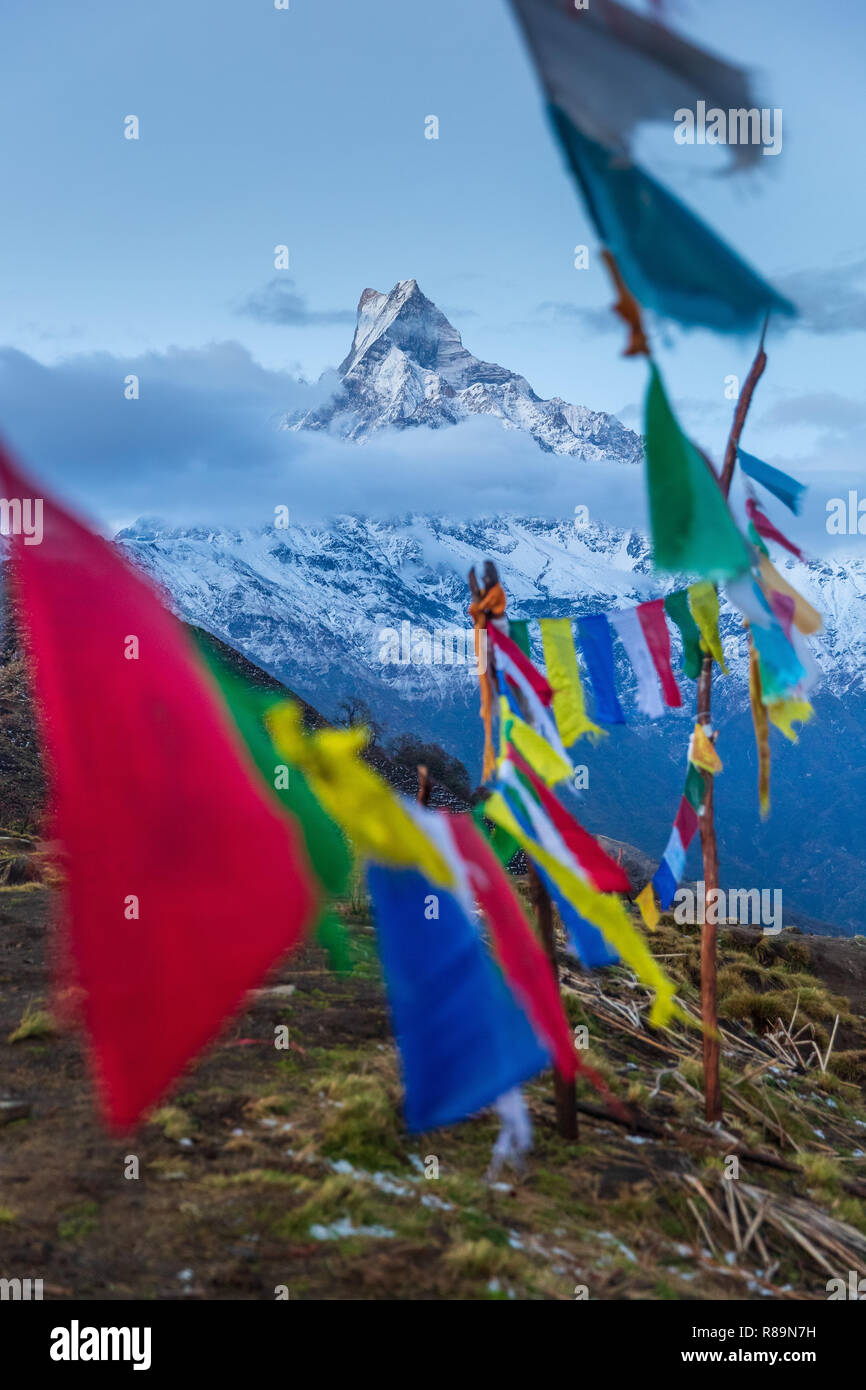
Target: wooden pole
[
  {"x": 425, "y": 785},
  {"x": 565, "y": 1092},
  {"x": 709, "y": 843},
  {"x": 709, "y": 932},
  {"x": 629, "y": 310}
]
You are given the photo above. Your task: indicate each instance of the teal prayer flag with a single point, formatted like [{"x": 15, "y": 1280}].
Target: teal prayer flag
[{"x": 671, "y": 261}]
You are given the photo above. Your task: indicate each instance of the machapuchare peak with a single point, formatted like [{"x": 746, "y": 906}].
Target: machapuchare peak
[{"x": 407, "y": 367}]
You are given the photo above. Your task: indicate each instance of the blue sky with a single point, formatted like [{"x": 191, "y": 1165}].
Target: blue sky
[{"x": 306, "y": 127}]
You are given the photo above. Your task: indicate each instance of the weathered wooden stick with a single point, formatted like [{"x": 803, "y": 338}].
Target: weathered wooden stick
[
  {"x": 425, "y": 785},
  {"x": 564, "y": 1092},
  {"x": 744, "y": 400},
  {"x": 709, "y": 843}
]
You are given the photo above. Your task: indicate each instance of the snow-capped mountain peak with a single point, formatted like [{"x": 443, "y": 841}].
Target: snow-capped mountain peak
[
  {"x": 407, "y": 366},
  {"x": 412, "y": 323}
]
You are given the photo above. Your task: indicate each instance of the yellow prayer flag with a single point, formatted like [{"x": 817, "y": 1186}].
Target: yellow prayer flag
[
  {"x": 704, "y": 605},
  {"x": 762, "y": 729},
  {"x": 646, "y": 901},
  {"x": 563, "y": 673},
  {"x": 354, "y": 795},
  {"x": 783, "y": 713},
  {"x": 702, "y": 752},
  {"x": 550, "y": 765}
]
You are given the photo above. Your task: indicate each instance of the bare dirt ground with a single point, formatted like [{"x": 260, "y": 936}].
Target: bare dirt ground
[{"x": 290, "y": 1172}]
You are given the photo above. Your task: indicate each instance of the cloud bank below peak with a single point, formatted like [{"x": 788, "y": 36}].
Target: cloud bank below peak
[{"x": 200, "y": 447}]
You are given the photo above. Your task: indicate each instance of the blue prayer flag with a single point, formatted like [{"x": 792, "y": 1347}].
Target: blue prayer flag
[
  {"x": 786, "y": 488},
  {"x": 665, "y": 885},
  {"x": 463, "y": 1038},
  {"x": 596, "y": 644}
]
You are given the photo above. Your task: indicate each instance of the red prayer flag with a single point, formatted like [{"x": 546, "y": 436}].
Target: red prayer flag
[
  {"x": 686, "y": 822},
  {"x": 183, "y": 882},
  {"x": 530, "y": 673},
  {"x": 764, "y": 527},
  {"x": 651, "y": 617}
]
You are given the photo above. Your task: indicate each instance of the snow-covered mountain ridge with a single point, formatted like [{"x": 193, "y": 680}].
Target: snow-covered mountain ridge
[
  {"x": 313, "y": 600},
  {"x": 311, "y": 604}
]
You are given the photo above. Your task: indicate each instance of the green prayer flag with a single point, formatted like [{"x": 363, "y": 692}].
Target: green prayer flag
[
  {"x": 694, "y": 789},
  {"x": 324, "y": 840},
  {"x": 677, "y": 609},
  {"x": 503, "y": 844},
  {"x": 693, "y": 531},
  {"x": 518, "y": 631},
  {"x": 332, "y": 936},
  {"x": 527, "y": 786}
]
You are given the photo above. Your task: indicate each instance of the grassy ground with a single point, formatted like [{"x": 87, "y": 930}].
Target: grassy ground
[{"x": 290, "y": 1170}]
